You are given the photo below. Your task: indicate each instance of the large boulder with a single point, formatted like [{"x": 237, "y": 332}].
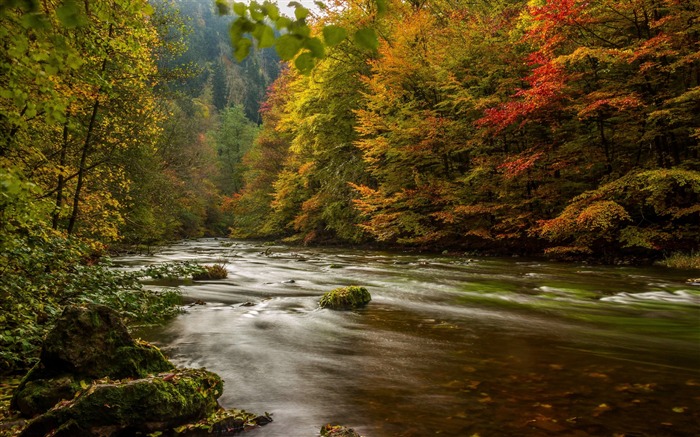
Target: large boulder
[
  {"x": 94, "y": 380},
  {"x": 87, "y": 343},
  {"x": 130, "y": 406},
  {"x": 345, "y": 298}
]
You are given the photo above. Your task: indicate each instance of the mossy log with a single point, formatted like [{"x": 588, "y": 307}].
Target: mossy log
[
  {"x": 345, "y": 298},
  {"x": 142, "y": 405}
]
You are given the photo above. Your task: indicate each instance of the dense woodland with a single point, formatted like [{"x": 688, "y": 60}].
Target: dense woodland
[
  {"x": 556, "y": 127},
  {"x": 564, "y": 127}
]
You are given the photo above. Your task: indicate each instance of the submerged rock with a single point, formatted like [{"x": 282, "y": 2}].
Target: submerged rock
[
  {"x": 338, "y": 431},
  {"x": 345, "y": 298},
  {"x": 87, "y": 343}
]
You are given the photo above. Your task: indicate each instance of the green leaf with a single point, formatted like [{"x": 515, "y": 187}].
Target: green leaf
[
  {"x": 367, "y": 38},
  {"x": 242, "y": 49},
  {"x": 240, "y": 27},
  {"x": 301, "y": 12},
  {"x": 381, "y": 6},
  {"x": 69, "y": 14},
  {"x": 239, "y": 8},
  {"x": 256, "y": 14},
  {"x": 304, "y": 63},
  {"x": 288, "y": 46},
  {"x": 316, "y": 48},
  {"x": 283, "y": 23},
  {"x": 35, "y": 20},
  {"x": 272, "y": 11},
  {"x": 265, "y": 36},
  {"x": 222, "y": 7},
  {"x": 334, "y": 35}
]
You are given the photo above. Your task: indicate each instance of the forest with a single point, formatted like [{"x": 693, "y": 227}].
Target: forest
[
  {"x": 559, "y": 128},
  {"x": 453, "y": 135}
]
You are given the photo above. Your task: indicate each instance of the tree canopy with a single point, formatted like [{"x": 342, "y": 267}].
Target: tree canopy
[{"x": 559, "y": 125}]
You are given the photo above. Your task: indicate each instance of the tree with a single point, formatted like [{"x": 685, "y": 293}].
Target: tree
[{"x": 234, "y": 137}]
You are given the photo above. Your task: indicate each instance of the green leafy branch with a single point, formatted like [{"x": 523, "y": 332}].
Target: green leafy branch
[{"x": 291, "y": 38}]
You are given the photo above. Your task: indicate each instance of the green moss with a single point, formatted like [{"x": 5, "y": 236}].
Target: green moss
[
  {"x": 40, "y": 395},
  {"x": 344, "y": 298},
  {"x": 163, "y": 401},
  {"x": 138, "y": 361}
]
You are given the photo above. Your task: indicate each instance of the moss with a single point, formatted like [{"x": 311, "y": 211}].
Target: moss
[
  {"x": 138, "y": 361},
  {"x": 345, "y": 298},
  {"x": 40, "y": 395},
  {"x": 148, "y": 404},
  {"x": 86, "y": 344}
]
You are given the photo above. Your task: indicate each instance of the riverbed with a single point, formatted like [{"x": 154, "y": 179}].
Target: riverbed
[{"x": 449, "y": 345}]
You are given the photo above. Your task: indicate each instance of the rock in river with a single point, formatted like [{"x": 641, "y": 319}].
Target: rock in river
[
  {"x": 345, "y": 298},
  {"x": 94, "y": 379},
  {"x": 88, "y": 342}
]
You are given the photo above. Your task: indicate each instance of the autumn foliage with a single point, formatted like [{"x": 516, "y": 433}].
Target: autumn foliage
[{"x": 563, "y": 126}]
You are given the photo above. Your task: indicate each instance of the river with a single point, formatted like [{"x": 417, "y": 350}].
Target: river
[{"x": 450, "y": 346}]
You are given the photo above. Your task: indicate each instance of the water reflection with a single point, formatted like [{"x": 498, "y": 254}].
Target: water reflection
[{"x": 448, "y": 346}]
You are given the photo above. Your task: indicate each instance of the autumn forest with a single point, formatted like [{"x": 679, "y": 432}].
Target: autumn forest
[{"x": 561, "y": 128}]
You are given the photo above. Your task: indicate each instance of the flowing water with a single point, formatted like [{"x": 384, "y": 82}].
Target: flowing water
[{"x": 448, "y": 346}]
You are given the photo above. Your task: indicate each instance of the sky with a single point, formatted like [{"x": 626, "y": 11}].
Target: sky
[{"x": 289, "y": 11}]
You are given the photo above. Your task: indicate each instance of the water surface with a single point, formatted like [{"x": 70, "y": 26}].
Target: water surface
[{"x": 448, "y": 346}]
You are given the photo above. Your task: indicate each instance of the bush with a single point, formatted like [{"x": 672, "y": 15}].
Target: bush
[
  {"x": 683, "y": 261},
  {"x": 217, "y": 271}
]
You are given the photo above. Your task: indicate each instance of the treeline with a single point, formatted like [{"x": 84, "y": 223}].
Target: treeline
[{"x": 560, "y": 126}]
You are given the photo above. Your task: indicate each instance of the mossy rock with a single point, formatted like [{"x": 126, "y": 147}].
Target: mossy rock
[
  {"x": 126, "y": 407},
  {"x": 87, "y": 343},
  {"x": 345, "y": 298},
  {"x": 338, "y": 431},
  {"x": 37, "y": 396},
  {"x": 91, "y": 341}
]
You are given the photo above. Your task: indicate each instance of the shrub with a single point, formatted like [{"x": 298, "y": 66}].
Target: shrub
[
  {"x": 217, "y": 271},
  {"x": 682, "y": 261}
]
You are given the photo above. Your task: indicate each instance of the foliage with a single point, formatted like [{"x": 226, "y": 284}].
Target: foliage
[
  {"x": 233, "y": 137},
  {"x": 293, "y": 39},
  {"x": 654, "y": 210},
  {"x": 682, "y": 261},
  {"x": 501, "y": 126},
  {"x": 43, "y": 270},
  {"x": 216, "y": 271}
]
